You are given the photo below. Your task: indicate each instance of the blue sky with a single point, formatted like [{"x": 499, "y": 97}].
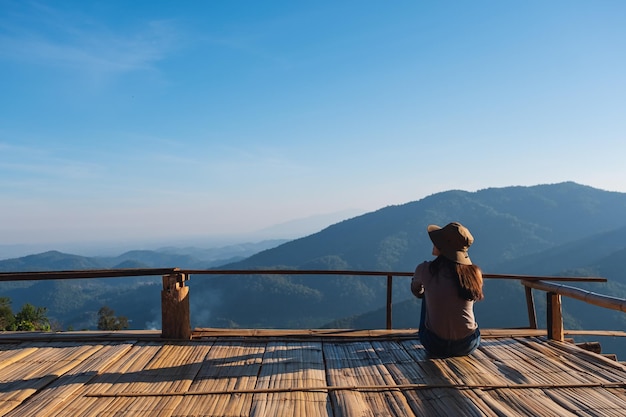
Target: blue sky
[{"x": 131, "y": 120}]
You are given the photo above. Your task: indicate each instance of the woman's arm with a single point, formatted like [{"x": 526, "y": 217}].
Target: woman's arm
[{"x": 417, "y": 283}]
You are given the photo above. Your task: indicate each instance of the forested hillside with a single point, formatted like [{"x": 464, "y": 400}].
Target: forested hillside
[
  {"x": 554, "y": 229},
  {"x": 527, "y": 230}
]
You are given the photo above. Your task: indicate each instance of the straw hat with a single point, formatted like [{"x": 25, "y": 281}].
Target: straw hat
[{"x": 453, "y": 241}]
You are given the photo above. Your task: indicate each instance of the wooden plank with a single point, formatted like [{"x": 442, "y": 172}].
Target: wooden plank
[
  {"x": 339, "y": 334},
  {"x": 9, "y": 354},
  {"x": 147, "y": 368},
  {"x": 400, "y": 360},
  {"x": 32, "y": 374},
  {"x": 172, "y": 369},
  {"x": 532, "y": 402},
  {"x": 118, "y": 377},
  {"x": 15, "y": 338},
  {"x": 66, "y": 388},
  {"x": 85, "y": 336},
  {"x": 357, "y": 364},
  {"x": 292, "y": 365},
  {"x": 250, "y": 376},
  {"x": 588, "y": 401},
  {"x": 589, "y": 362},
  {"x": 522, "y": 363},
  {"x": 227, "y": 366},
  {"x": 302, "y": 334}
]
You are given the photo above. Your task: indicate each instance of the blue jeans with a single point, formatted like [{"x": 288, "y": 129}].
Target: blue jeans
[{"x": 442, "y": 348}]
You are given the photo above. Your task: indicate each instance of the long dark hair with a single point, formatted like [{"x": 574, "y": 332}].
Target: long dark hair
[{"x": 469, "y": 277}]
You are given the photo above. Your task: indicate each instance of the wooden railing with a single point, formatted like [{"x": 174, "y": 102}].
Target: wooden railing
[
  {"x": 554, "y": 310},
  {"x": 175, "y": 313}
]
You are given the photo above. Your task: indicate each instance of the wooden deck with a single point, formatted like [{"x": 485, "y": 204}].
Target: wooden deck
[{"x": 301, "y": 373}]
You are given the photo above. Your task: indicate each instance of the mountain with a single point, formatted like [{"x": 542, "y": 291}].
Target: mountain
[
  {"x": 74, "y": 303},
  {"x": 571, "y": 255},
  {"x": 552, "y": 229},
  {"x": 167, "y": 257},
  {"x": 221, "y": 255},
  {"x": 507, "y": 223},
  {"x": 49, "y": 261},
  {"x": 524, "y": 230}
]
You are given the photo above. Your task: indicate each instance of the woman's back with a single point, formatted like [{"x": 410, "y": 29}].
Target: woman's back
[{"x": 447, "y": 314}]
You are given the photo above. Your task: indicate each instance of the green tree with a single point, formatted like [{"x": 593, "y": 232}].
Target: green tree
[
  {"x": 107, "y": 320},
  {"x": 6, "y": 314},
  {"x": 31, "y": 318}
]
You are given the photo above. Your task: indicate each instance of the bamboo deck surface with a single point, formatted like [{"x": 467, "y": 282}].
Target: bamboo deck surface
[{"x": 301, "y": 373}]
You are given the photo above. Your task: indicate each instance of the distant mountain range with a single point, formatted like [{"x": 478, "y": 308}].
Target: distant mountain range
[
  {"x": 556, "y": 229},
  {"x": 166, "y": 257}
]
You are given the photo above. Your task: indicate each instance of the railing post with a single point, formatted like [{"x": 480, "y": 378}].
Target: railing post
[
  {"x": 389, "y": 292},
  {"x": 530, "y": 306},
  {"x": 555, "y": 317},
  {"x": 175, "y": 317}
]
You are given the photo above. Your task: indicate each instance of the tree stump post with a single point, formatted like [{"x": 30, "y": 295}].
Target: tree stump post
[{"x": 175, "y": 317}]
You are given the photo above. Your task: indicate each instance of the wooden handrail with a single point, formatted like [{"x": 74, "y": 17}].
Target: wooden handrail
[
  {"x": 135, "y": 272},
  {"x": 554, "y": 313},
  {"x": 375, "y": 273},
  {"x": 175, "y": 301},
  {"x": 545, "y": 278},
  {"x": 600, "y": 300},
  {"x": 85, "y": 274}
]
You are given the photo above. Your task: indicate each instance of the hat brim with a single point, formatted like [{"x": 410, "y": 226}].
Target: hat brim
[
  {"x": 432, "y": 228},
  {"x": 434, "y": 237}
]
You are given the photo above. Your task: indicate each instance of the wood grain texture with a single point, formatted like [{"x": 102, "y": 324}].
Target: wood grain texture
[{"x": 304, "y": 373}]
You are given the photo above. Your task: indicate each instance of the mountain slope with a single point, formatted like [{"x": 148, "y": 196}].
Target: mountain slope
[
  {"x": 50, "y": 261},
  {"x": 571, "y": 255},
  {"x": 508, "y": 224},
  {"x": 548, "y": 229}
]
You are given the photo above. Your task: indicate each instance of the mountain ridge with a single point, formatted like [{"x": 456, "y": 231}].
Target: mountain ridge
[{"x": 512, "y": 236}]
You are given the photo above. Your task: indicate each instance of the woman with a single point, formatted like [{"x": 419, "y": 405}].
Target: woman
[{"x": 448, "y": 286}]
